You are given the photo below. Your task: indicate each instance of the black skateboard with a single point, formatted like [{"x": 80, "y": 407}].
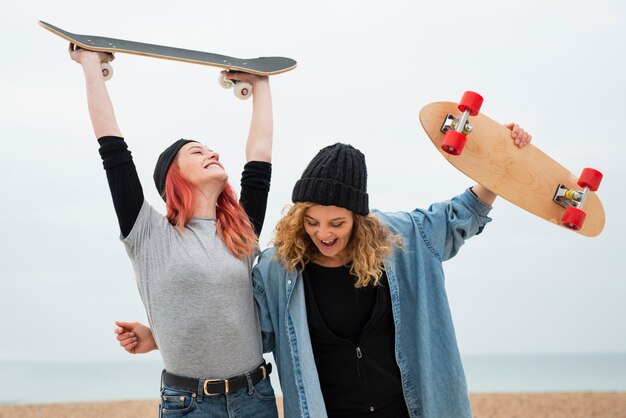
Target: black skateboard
[{"x": 260, "y": 66}]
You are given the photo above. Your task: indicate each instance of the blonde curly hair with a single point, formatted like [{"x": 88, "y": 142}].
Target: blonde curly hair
[{"x": 370, "y": 243}]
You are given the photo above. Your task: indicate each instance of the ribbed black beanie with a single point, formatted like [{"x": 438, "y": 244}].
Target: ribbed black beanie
[{"x": 337, "y": 176}]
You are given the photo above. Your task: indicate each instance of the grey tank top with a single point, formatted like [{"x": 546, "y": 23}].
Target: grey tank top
[{"x": 197, "y": 295}]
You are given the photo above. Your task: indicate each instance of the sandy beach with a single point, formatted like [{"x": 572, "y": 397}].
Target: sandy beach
[{"x": 485, "y": 405}]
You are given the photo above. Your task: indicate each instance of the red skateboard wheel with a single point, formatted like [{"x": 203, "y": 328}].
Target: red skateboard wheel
[
  {"x": 573, "y": 218},
  {"x": 471, "y": 102},
  {"x": 453, "y": 142},
  {"x": 590, "y": 178}
]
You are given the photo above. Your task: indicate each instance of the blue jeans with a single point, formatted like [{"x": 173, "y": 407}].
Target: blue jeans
[{"x": 256, "y": 401}]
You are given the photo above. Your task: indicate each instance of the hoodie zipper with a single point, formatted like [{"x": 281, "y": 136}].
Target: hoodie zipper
[{"x": 359, "y": 356}]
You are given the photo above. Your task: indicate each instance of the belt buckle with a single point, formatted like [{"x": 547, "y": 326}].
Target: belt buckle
[{"x": 206, "y": 382}]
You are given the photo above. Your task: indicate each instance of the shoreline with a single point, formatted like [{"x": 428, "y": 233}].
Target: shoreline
[{"x": 484, "y": 405}]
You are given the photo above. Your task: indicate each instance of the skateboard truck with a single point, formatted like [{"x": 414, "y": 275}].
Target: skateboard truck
[
  {"x": 457, "y": 129},
  {"x": 451, "y": 123},
  {"x": 574, "y": 200},
  {"x": 242, "y": 91}
]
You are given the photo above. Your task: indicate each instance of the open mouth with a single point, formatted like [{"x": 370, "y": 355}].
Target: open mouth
[
  {"x": 328, "y": 243},
  {"x": 212, "y": 165}
]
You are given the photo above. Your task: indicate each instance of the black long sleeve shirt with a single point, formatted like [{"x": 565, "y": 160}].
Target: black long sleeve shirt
[
  {"x": 353, "y": 338},
  {"x": 127, "y": 192}
]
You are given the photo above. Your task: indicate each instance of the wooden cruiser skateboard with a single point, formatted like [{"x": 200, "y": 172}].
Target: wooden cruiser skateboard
[{"x": 482, "y": 149}]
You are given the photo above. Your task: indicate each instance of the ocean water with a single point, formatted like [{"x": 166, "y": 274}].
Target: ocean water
[
  {"x": 546, "y": 373},
  {"x": 53, "y": 382}
]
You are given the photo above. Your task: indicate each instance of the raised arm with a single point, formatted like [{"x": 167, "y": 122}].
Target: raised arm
[
  {"x": 255, "y": 180},
  {"x": 98, "y": 100},
  {"x": 521, "y": 139},
  {"x": 126, "y": 190},
  {"x": 259, "y": 144}
]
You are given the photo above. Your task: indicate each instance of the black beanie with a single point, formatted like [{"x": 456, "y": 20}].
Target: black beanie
[
  {"x": 164, "y": 162},
  {"x": 337, "y": 176}
]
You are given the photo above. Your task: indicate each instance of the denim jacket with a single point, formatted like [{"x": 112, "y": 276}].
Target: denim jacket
[{"x": 426, "y": 350}]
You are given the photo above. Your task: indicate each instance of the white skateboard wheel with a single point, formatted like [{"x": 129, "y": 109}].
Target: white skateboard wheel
[
  {"x": 224, "y": 82},
  {"x": 243, "y": 90},
  {"x": 107, "y": 71}
]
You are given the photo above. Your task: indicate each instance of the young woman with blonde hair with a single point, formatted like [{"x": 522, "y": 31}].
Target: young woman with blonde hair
[
  {"x": 352, "y": 303},
  {"x": 193, "y": 266}
]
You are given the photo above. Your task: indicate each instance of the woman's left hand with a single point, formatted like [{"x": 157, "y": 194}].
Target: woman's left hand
[
  {"x": 520, "y": 136},
  {"x": 253, "y": 79}
]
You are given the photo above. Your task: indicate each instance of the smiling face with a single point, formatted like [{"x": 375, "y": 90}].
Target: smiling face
[
  {"x": 201, "y": 166},
  {"x": 330, "y": 229}
]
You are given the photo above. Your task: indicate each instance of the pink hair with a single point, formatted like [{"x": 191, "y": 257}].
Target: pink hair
[{"x": 232, "y": 223}]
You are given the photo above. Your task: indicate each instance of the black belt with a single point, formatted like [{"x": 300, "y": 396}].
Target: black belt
[{"x": 216, "y": 386}]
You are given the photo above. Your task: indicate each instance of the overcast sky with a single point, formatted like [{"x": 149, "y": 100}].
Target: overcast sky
[{"x": 364, "y": 71}]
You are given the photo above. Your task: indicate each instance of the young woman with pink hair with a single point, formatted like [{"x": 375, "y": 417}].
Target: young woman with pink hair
[{"x": 193, "y": 266}]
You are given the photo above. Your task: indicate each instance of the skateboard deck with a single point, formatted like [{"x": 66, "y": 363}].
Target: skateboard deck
[
  {"x": 526, "y": 177},
  {"x": 260, "y": 66}
]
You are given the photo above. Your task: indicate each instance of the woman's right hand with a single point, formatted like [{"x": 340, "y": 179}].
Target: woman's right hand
[
  {"x": 83, "y": 56},
  {"x": 134, "y": 337}
]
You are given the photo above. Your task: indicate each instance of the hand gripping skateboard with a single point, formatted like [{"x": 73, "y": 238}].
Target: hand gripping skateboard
[
  {"x": 526, "y": 177},
  {"x": 260, "y": 66}
]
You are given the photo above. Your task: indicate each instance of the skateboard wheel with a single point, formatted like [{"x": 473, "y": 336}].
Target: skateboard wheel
[
  {"x": 590, "y": 178},
  {"x": 243, "y": 90},
  {"x": 573, "y": 218},
  {"x": 107, "y": 71},
  {"x": 225, "y": 82},
  {"x": 471, "y": 102},
  {"x": 453, "y": 142}
]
